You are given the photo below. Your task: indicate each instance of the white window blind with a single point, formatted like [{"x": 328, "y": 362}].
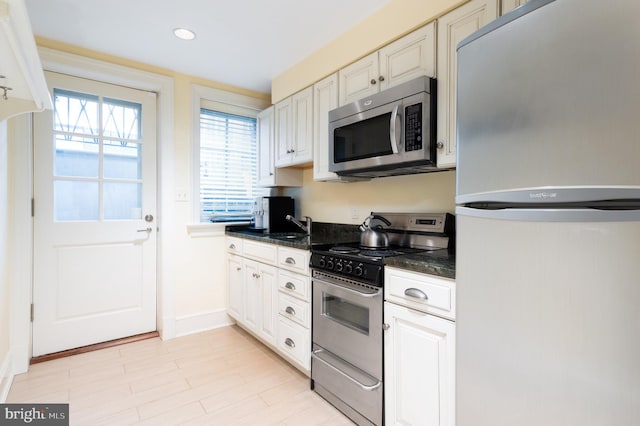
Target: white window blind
[{"x": 228, "y": 166}]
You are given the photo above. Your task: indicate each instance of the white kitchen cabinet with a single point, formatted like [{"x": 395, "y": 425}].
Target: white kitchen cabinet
[
  {"x": 268, "y": 174},
  {"x": 406, "y": 58},
  {"x": 325, "y": 98},
  {"x": 269, "y": 295},
  {"x": 260, "y": 298},
  {"x": 452, "y": 28},
  {"x": 236, "y": 284},
  {"x": 419, "y": 351},
  {"x": 294, "y": 129},
  {"x": 509, "y": 5}
]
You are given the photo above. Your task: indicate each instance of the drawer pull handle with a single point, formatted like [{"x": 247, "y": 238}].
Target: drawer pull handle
[
  {"x": 415, "y": 293},
  {"x": 232, "y": 247},
  {"x": 290, "y": 261},
  {"x": 290, "y": 343},
  {"x": 290, "y": 310},
  {"x": 291, "y": 286}
]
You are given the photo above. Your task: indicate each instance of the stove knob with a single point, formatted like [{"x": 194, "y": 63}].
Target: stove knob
[
  {"x": 348, "y": 268},
  {"x": 339, "y": 266},
  {"x": 359, "y": 271},
  {"x": 330, "y": 264},
  {"x": 322, "y": 262}
]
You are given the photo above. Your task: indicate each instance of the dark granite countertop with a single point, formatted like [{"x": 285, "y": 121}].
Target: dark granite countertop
[{"x": 438, "y": 263}]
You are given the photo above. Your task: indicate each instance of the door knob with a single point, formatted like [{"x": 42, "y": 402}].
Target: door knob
[{"x": 148, "y": 218}]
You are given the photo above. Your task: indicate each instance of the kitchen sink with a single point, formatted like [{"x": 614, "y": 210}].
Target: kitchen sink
[{"x": 290, "y": 236}]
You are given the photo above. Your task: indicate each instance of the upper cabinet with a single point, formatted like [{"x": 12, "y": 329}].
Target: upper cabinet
[
  {"x": 268, "y": 175},
  {"x": 22, "y": 85},
  {"x": 325, "y": 98},
  {"x": 408, "y": 57},
  {"x": 453, "y": 28},
  {"x": 294, "y": 129},
  {"x": 509, "y": 5}
]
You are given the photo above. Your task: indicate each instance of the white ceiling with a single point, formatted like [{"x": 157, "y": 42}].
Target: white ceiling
[{"x": 244, "y": 43}]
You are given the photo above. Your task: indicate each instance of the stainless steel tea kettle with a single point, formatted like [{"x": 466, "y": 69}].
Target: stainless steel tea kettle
[{"x": 374, "y": 237}]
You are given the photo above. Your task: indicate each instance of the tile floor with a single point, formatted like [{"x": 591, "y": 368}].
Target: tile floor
[{"x": 218, "y": 377}]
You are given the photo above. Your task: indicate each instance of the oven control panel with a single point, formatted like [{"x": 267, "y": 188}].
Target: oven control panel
[{"x": 357, "y": 270}]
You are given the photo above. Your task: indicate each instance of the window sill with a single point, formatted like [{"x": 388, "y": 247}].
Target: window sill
[{"x": 200, "y": 230}]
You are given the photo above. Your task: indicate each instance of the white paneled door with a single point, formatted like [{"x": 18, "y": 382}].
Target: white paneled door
[{"x": 94, "y": 215}]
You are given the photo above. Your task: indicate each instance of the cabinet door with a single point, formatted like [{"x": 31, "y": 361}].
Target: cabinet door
[
  {"x": 359, "y": 79},
  {"x": 234, "y": 290},
  {"x": 302, "y": 138},
  {"x": 409, "y": 57},
  {"x": 509, "y": 5},
  {"x": 325, "y": 98},
  {"x": 283, "y": 124},
  {"x": 452, "y": 28},
  {"x": 269, "y": 300},
  {"x": 266, "y": 168},
  {"x": 419, "y": 363},
  {"x": 252, "y": 296}
]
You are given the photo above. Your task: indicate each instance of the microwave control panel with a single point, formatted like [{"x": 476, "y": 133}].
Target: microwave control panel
[{"x": 413, "y": 128}]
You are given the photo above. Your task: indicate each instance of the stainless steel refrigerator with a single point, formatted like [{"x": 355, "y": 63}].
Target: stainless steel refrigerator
[{"x": 548, "y": 217}]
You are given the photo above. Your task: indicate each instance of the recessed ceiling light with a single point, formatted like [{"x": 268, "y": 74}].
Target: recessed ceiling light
[{"x": 184, "y": 33}]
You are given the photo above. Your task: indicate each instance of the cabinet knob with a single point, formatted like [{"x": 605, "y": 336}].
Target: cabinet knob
[
  {"x": 238, "y": 269},
  {"x": 381, "y": 78},
  {"x": 232, "y": 247},
  {"x": 386, "y": 326},
  {"x": 440, "y": 145},
  {"x": 373, "y": 81},
  {"x": 270, "y": 174},
  {"x": 293, "y": 150}
]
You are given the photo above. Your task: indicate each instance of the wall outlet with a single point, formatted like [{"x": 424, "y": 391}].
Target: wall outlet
[
  {"x": 354, "y": 213},
  {"x": 182, "y": 196}
]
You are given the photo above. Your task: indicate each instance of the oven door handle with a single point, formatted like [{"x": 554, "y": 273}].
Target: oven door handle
[
  {"x": 314, "y": 354},
  {"x": 349, "y": 289}
]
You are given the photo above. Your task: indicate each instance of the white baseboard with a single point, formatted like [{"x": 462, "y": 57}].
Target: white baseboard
[
  {"x": 204, "y": 321},
  {"x": 6, "y": 377}
]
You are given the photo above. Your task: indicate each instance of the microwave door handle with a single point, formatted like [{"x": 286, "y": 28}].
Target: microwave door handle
[{"x": 393, "y": 135}]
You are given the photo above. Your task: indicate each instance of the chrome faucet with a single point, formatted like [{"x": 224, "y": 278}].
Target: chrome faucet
[{"x": 306, "y": 228}]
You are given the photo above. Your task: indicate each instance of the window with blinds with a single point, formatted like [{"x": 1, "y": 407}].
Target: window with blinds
[{"x": 228, "y": 166}]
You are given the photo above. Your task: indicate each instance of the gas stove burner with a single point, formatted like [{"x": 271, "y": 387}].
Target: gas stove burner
[
  {"x": 379, "y": 253},
  {"x": 344, "y": 250}
]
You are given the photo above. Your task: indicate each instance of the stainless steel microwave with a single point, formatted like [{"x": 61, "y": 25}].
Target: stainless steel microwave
[{"x": 386, "y": 134}]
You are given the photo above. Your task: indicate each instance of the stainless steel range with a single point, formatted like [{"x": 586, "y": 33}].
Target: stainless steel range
[{"x": 347, "y": 282}]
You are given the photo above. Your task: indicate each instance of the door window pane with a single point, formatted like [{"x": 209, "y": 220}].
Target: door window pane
[
  {"x": 75, "y": 112},
  {"x": 122, "y": 160},
  {"x": 122, "y": 201},
  {"x": 76, "y": 156},
  {"x": 121, "y": 119},
  {"x": 75, "y": 200}
]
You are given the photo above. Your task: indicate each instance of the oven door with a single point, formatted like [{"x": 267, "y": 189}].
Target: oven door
[{"x": 347, "y": 321}]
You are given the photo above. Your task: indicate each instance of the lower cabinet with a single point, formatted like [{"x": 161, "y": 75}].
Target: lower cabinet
[
  {"x": 272, "y": 301},
  {"x": 260, "y": 297},
  {"x": 419, "y": 349}
]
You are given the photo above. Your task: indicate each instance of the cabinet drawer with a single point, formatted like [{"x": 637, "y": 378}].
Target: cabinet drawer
[
  {"x": 294, "y": 309},
  {"x": 294, "y": 284},
  {"x": 263, "y": 252},
  {"x": 234, "y": 245},
  {"x": 422, "y": 292},
  {"x": 294, "y": 342},
  {"x": 293, "y": 259}
]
